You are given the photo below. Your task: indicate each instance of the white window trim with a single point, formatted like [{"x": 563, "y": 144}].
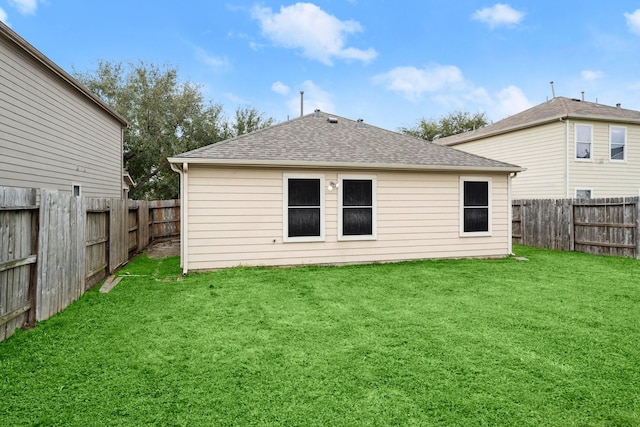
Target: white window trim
[
  {"x": 285, "y": 208},
  {"x": 575, "y": 192},
  {"x": 575, "y": 143},
  {"x": 73, "y": 188},
  {"x": 463, "y": 233},
  {"x": 626, "y": 145},
  {"x": 374, "y": 208}
]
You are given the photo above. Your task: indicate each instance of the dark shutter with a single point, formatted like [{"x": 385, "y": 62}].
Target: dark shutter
[
  {"x": 476, "y": 206},
  {"x": 304, "y": 207},
  {"x": 357, "y": 207}
]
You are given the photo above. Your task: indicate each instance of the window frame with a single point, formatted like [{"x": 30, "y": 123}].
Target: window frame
[
  {"x": 74, "y": 186},
  {"x": 374, "y": 207},
  {"x": 489, "y": 208},
  {"x": 576, "y": 142},
  {"x": 285, "y": 208},
  {"x": 624, "y": 145},
  {"x": 590, "y": 190}
]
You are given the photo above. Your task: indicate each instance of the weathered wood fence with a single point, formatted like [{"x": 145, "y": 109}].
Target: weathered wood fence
[
  {"x": 54, "y": 247},
  {"x": 608, "y": 226}
]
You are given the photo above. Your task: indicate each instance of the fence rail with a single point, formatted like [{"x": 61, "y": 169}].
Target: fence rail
[
  {"x": 608, "y": 226},
  {"x": 54, "y": 247}
]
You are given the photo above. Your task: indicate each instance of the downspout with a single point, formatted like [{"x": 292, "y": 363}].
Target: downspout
[
  {"x": 510, "y": 213},
  {"x": 182, "y": 170},
  {"x": 566, "y": 157}
]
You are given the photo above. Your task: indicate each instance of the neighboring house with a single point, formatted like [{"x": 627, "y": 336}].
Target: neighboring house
[
  {"x": 54, "y": 133},
  {"x": 568, "y": 148},
  {"x": 322, "y": 189}
]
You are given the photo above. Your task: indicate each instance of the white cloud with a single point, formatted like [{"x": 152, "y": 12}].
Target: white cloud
[
  {"x": 412, "y": 83},
  {"x": 314, "y": 98},
  {"x": 25, "y": 7},
  {"x": 590, "y": 75},
  {"x": 305, "y": 26},
  {"x": 499, "y": 15},
  {"x": 212, "y": 61},
  {"x": 509, "y": 101},
  {"x": 633, "y": 21},
  {"x": 4, "y": 18},
  {"x": 280, "y": 88}
]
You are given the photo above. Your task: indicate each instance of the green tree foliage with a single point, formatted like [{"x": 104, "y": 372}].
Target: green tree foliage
[
  {"x": 166, "y": 117},
  {"x": 451, "y": 124}
]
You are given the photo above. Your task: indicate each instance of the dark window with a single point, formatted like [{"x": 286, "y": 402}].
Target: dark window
[
  {"x": 303, "y": 207},
  {"x": 357, "y": 207},
  {"x": 476, "y": 206}
]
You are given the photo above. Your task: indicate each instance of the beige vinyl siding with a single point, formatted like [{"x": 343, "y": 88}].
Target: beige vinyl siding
[
  {"x": 235, "y": 217},
  {"x": 604, "y": 177},
  {"x": 541, "y": 150},
  {"x": 53, "y": 136}
]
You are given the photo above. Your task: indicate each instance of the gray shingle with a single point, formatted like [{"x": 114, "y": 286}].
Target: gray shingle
[
  {"x": 315, "y": 140},
  {"x": 546, "y": 112}
]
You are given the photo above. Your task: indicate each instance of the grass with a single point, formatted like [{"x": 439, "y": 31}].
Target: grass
[{"x": 550, "y": 341}]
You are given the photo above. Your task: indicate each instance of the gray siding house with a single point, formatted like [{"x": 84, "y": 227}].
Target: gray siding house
[{"x": 54, "y": 133}]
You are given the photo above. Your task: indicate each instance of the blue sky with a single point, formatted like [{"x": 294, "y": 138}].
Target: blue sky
[{"x": 388, "y": 62}]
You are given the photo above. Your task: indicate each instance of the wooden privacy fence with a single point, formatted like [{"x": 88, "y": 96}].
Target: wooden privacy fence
[
  {"x": 598, "y": 226},
  {"x": 53, "y": 247}
]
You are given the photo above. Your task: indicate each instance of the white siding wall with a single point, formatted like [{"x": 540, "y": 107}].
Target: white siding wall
[
  {"x": 51, "y": 136},
  {"x": 606, "y": 178},
  {"x": 541, "y": 150},
  {"x": 235, "y": 218}
]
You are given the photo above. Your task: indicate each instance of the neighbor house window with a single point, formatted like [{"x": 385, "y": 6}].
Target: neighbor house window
[
  {"x": 475, "y": 213},
  {"x": 357, "y": 207},
  {"x": 583, "y": 193},
  {"x": 583, "y": 141},
  {"x": 303, "y": 219},
  {"x": 617, "y": 142}
]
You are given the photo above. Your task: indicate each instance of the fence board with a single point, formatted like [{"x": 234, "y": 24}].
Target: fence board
[
  {"x": 16, "y": 257},
  {"x": 598, "y": 226},
  {"x": 61, "y": 253},
  {"x": 164, "y": 216}
]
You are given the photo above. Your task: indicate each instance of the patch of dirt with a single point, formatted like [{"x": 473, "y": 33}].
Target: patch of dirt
[{"x": 163, "y": 249}]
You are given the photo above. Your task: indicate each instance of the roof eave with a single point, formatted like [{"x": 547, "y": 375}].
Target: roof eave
[
  {"x": 507, "y": 130},
  {"x": 59, "y": 72},
  {"x": 543, "y": 122},
  {"x": 341, "y": 165}
]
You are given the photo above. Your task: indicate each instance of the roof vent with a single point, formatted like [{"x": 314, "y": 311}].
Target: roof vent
[
  {"x": 360, "y": 124},
  {"x": 332, "y": 119},
  {"x": 618, "y": 105},
  {"x": 316, "y": 113},
  {"x": 575, "y": 99}
]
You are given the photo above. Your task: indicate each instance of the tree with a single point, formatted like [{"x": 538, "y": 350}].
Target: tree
[
  {"x": 166, "y": 118},
  {"x": 451, "y": 124}
]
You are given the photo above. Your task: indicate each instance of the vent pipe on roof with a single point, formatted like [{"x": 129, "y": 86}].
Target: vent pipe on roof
[
  {"x": 316, "y": 113},
  {"x": 553, "y": 91},
  {"x": 618, "y": 105},
  {"x": 301, "y": 103},
  {"x": 583, "y": 96},
  {"x": 360, "y": 123}
]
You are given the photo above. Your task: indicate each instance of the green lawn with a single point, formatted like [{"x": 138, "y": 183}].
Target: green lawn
[{"x": 550, "y": 341}]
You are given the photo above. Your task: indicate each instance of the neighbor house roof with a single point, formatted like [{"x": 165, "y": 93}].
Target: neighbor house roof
[
  {"x": 556, "y": 109},
  {"x": 325, "y": 140},
  {"x": 10, "y": 35}
]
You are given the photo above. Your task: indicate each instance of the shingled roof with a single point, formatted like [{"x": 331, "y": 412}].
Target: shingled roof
[
  {"x": 329, "y": 141},
  {"x": 547, "y": 112}
]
